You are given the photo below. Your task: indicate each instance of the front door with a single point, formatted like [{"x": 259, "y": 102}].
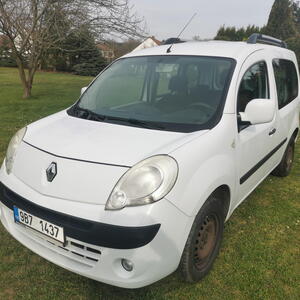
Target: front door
[{"x": 256, "y": 144}]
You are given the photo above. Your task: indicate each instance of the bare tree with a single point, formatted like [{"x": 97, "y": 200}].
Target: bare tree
[{"x": 34, "y": 26}]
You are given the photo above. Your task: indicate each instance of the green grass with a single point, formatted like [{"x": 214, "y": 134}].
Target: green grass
[{"x": 259, "y": 259}]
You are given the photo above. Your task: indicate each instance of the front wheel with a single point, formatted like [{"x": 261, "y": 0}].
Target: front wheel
[
  {"x": 203, "y": 243},
  {"x": 285, "y": 166}
]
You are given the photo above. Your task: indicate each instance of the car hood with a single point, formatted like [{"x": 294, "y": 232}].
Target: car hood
[{"x": 70, "y": 137}]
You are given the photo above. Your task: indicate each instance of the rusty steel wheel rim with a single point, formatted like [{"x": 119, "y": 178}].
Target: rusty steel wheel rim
[
  {"x": 206, "y": 241},
  {"x": 290, "y": 158}
]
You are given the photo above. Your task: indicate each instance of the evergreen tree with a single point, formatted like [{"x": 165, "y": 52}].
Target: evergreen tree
[
  {"x": 294, "y": 45},
  {"x": 234, "y": 34},
  {"x": 227, "y": 34},
  {"x": 87, "y": 61},
  {"x": 252, "y": 29},
  {"x": 6, "y": 59},
  {"x": 296, "y": 14},
  {"x": 77, "y": 53},
  {"x": 281, "y": 23}
]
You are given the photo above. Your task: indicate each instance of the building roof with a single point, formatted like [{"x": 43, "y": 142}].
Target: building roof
[
  {"x": 148, "y": 43},
  {"x": 155, "y": 40},
  {"x": 104, "y": 47}
]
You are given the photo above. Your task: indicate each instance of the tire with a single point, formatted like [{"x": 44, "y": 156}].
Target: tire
[
  {"x": 285, "y": 166},
  {"x": 204, "y": 241}
]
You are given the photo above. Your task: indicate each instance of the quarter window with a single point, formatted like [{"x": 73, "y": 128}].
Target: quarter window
[
  {"x": 286, "y": 81},
  {"x": 254, "y": 85}
]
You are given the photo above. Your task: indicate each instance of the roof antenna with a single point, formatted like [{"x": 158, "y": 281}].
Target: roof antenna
[{"x": 184, "y": 28}]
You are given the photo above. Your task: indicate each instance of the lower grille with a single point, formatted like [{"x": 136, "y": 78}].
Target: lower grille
[{"x": 77, "y": 251}]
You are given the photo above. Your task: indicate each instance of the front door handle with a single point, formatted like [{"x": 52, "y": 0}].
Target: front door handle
[{"x": 272, "y": 132}]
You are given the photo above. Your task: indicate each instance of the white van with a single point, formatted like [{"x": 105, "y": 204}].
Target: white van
[{"x": 139, "y": 176}]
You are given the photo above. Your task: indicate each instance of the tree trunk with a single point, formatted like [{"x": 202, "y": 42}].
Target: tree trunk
[
  {"x": 31, "y": 73},
  {"x": 26, "y": 92},
  {"x": 25, "y": 83}
]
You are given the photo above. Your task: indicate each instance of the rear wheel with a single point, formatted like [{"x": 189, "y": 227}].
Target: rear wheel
[
  {"x": 204, "y": 241},
  {"x": 285, "y": 166}
]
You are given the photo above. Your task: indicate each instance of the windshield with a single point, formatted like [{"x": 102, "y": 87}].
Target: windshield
[{"x": 175, "y": 93}]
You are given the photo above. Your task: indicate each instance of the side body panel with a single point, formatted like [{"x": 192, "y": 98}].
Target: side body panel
[{"x": 205, "y": 164}]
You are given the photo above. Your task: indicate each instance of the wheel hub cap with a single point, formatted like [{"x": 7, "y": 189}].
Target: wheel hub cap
[{"x": 206, "y": 240}]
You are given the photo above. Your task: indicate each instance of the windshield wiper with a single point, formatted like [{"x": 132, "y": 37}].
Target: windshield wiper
[
  {"x": 135, "y": 122},
  {"x": 144, "y": 124},
  {"x": 90, "y": 115}
]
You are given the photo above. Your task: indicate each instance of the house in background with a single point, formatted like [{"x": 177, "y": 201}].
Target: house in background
[
  {"x": 4, "y": 41},
  {"x": 107, "y": 52},
  {"x": 148, "y": 43}
]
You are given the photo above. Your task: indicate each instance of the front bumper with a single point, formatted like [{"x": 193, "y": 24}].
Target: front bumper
[
  {"x": 112, "y": 236},
  {"x": 152, "y": 236}
]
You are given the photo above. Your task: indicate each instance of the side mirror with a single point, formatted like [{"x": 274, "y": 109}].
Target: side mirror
[
  {"x": 83, "y": 90},
  {"x": 259, "y": 111}
]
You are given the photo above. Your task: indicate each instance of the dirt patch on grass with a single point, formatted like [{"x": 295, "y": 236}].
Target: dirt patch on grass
[{"x": 8, "y": 294}]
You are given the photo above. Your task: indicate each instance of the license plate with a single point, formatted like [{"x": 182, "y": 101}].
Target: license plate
[{"x": 46, "y": 228}]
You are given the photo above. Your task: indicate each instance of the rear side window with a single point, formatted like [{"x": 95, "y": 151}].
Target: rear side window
[{"x": 286, "y": 81}]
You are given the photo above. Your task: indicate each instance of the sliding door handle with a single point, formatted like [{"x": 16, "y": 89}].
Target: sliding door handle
[{"x": 272, "y": 132}]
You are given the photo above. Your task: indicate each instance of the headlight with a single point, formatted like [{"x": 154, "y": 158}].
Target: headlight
[
  {"x": 12, "y": 149},
  {"x": 146, "y": 182}
]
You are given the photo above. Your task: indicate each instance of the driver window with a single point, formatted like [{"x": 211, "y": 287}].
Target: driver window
[{"x": 254, "y": 85}]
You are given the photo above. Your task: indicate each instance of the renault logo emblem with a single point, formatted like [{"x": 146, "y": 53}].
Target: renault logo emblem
[{"x": 51, "y": 171}]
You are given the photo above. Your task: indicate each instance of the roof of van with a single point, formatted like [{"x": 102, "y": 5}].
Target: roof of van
[{"x": 236, "y": 50}]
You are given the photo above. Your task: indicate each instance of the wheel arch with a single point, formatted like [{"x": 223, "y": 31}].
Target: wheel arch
[
  {"x": 295, "y": 133},
  {"x": 223, "y": 193}
]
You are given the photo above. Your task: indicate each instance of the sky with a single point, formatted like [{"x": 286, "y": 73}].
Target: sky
[{"x": 166, "y": 18}]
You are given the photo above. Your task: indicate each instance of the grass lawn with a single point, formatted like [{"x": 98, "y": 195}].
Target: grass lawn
[{"x": 259, "y": 259}]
